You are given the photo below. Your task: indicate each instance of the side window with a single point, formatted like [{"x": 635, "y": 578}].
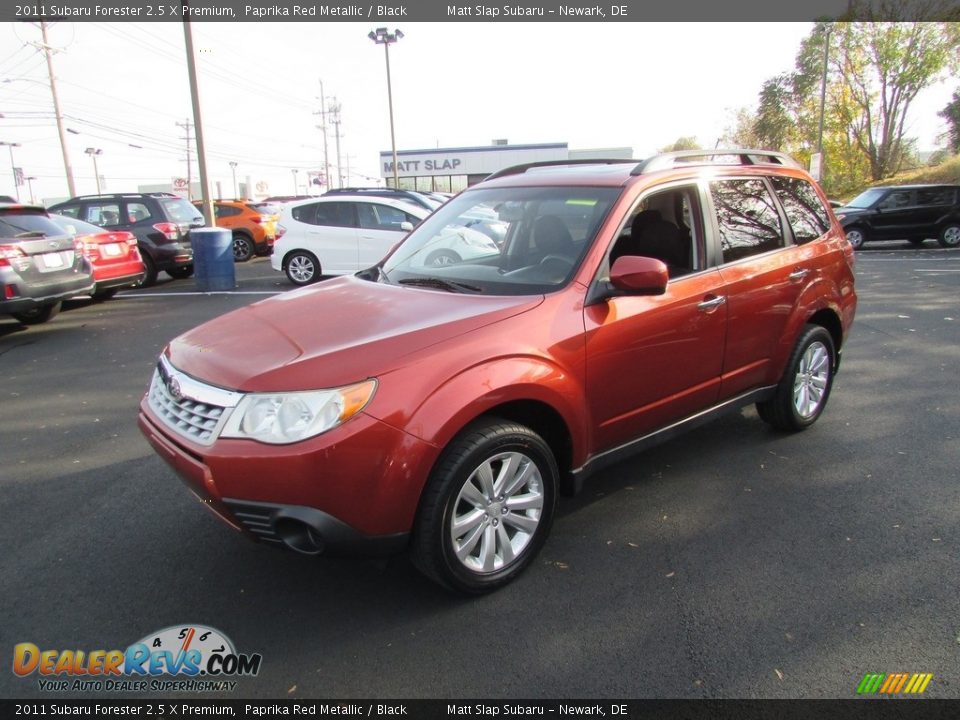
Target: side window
[
  {"x": 138, "y": 212},
  {"x": 748, "y": 220},
  {"x": 896, "y": 199},
  {"x": 104, "y": 215},
  {"x": 380, "y": 217},
  {"x": 805, "y": 212},
  {"x": 305, "y": 214},
  {"x": 935, "y": 196},
  {"x": 335, "y": 214},
  {"x": 72, "y": 211},
  {"x": 666, "y": 226},
  {"x": 223, "y": 211}
]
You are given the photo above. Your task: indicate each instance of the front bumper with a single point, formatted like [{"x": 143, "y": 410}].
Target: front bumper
[{"x": 353, "y": 490}]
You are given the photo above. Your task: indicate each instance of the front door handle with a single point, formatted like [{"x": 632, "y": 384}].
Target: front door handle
[
  {"x": 712, "y": 304},
  {"x": 798, "y": 274}
]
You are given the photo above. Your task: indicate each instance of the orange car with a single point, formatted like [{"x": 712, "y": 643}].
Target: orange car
[{"x": 253, "y": 232}]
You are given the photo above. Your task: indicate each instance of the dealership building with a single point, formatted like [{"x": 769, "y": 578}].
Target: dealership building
[{"x": 454, "y": 169}]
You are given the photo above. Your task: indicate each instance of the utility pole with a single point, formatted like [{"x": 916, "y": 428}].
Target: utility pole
[
  {"x": 187, "y": 126},
  {"x": 208, "y": 215},
  {"x": 323, "y": 127},
  {"x": 48, "y": 51},
  {"x": 335, "y": 110}
]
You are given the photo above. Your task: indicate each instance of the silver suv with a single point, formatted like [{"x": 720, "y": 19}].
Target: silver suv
[{"x": 40, "y": 265}]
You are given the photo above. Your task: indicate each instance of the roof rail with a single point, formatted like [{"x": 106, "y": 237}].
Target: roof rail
[
  {"x": 745, "y": 156},
  {"x": 520, "y": 169}
]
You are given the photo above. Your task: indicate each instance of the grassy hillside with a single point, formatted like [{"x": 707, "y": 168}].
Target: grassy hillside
[{"x": 946, "y": 172}]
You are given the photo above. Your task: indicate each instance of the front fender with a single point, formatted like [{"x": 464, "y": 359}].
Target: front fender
[{"x": 481, "y": 388}]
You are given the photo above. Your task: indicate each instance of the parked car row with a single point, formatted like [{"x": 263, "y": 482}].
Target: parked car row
[{"x": 45, "y": 259}]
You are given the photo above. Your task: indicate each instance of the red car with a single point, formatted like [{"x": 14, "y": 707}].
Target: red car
[
  {"x": 114, "y": 255},
  {"x": 443, "y": 409}
]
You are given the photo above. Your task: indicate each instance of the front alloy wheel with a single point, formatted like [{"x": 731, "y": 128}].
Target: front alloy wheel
[{"x": 488, "y": 507}]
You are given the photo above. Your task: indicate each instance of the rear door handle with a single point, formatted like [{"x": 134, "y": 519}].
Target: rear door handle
[
  {"x": 798, "y": 274},
  {"x": 712, "y": 304}
]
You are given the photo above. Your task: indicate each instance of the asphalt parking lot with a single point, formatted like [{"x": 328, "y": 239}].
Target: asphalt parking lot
[{"x": 731, "y": 562}]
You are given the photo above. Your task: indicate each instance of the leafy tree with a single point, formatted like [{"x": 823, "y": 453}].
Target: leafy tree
[
  {"x": 683, "y": 143},
  {"x": 951, "y": 113}
]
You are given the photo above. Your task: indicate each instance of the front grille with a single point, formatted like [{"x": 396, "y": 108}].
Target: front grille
[{"x": 190, "y": 408}]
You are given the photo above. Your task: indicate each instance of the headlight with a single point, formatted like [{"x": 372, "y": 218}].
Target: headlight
[
  {"x": 841, "y": 216},
  {"x": 280, "y": 418}
]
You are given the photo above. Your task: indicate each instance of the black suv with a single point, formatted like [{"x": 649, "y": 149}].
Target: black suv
[
  {"x": 161, "y": 222},
  {"x": 903, "y": 212}
]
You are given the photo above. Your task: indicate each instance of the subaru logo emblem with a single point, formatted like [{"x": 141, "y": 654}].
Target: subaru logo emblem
[{"x": 175, "y": 390}]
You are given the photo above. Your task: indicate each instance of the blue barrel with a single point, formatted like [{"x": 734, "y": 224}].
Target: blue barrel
[{"x": 213, "y": 259}]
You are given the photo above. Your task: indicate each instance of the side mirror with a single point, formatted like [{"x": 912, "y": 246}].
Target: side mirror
[
  {"x": 637, "y": 275},
  {"x": 406, "y": 226}
]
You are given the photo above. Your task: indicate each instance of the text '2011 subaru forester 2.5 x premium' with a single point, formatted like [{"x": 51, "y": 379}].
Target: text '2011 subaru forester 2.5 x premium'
[{"x": 442, "y": 409}]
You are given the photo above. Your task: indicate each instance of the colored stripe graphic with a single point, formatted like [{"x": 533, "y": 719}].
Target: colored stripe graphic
[{"x": 894, "y": 683}]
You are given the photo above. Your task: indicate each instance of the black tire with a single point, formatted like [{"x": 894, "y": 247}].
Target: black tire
[
  {"x": 439, "y": 258},
  {"x": 243, "y": 247},
  {"x": 39, "y": 315},
  {"x": 181, "y": 273},
  {"x": 104, "y": 294},
  {"x": 857, "y": 236},
  {"x": 302, "y": 267},
  {"x": 455, "y": 485},
  {"x": 150, "y": 272},
  {"x": 949, "y": 235},
  {"x": 813, "y": 354}
]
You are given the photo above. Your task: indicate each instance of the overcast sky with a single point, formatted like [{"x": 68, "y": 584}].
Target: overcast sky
[{"x": 454, "y": 84}]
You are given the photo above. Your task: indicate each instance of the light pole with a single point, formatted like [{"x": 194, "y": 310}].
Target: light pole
[
  {"x": 30, "y": 186},
  {"x": 233, "y": 171},
  {"x": 13, "y": 167},
  {"x": 294, "y": 171},
  {"x": 93, "y": 152},
  {"x": 382, "y": 36}
]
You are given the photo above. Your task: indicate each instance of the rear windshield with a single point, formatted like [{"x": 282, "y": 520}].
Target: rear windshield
[
  {"x": 26, "y": 223},
  {"x": 73, "y": 226},
  {"x": 179, "y": 210}
]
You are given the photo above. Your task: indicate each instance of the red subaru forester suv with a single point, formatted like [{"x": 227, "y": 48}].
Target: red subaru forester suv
[{"x": 442, "y": 409}]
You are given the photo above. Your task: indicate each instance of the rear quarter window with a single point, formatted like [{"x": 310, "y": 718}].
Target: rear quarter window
[{"x": 806, "y": 214}]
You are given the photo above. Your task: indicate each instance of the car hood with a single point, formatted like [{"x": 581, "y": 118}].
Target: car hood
[{"x": 335, "y": 333}]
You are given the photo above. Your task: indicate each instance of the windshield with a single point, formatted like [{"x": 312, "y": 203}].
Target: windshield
[
  {"x": 506, "y": 241},
  {"x": 866, "y": 198}
]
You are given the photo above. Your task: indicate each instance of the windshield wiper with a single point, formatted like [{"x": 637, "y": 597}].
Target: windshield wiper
[{"x": 440, "y": 284}]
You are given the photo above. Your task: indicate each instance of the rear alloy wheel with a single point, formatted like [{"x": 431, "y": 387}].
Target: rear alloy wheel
[
  {"x": 181, "y": 273},
  {"x": 857, "y": 236},
  {"x": 488, "y": 507},
  {"x": 150, "y": 272},
  {"x": 243, "y": 248},
  {"x": 950, "y": 236},
  {"x": 302, "y": 267},
  {"x": 805, "y": 386},
  {"x": 38, "y": 315}
]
